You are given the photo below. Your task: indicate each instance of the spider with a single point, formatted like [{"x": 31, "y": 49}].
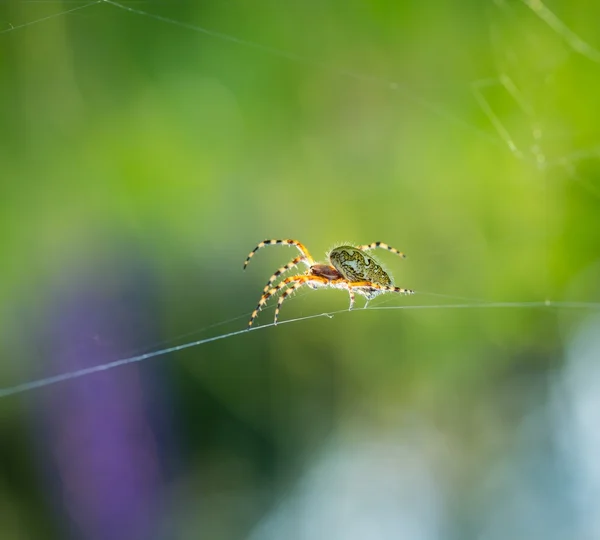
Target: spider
[{"x": 350, "y": 268}]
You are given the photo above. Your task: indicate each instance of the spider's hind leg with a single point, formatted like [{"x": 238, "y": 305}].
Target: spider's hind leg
[
  {"x": 344, "y": 285},
  {"x": 352, "y": 297},
  {"x": 381, "y": 245},
  {"x": 371, "y": 290},
  {"x": 369, "y": 294}
]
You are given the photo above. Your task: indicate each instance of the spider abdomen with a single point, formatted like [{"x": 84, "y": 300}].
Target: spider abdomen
[{"x": 356, "y": 265}]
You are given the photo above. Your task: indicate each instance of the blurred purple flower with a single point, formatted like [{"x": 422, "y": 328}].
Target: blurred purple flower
[{"x": 99, "y": 431}]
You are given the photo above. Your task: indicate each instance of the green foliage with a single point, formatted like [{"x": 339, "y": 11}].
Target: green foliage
[{"x": 126, "y": 137}]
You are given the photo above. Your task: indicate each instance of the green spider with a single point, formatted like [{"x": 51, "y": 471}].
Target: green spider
[{"x": 351, "y": 269}]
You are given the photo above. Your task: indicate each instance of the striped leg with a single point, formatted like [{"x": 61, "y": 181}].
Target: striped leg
[
  {"x": 287, "y": 293},
  {"x": 382, "y": 289},
  {"x": 301, "y": 247},
  {"x": 347, "y": 286},
  {"x": 339, "y": 282},
  {"x": 275, "y": 290},
  {"x": 265, "y": 298},
  {"x": 381, "y": 245},
  {"x": 351, "y": 293},
  {"x": 370, "y": 290},
  {"x": 399, "y": 290},
  {"x": 302, "y": 280},
  {"x": 283, "y": 269},
  {"x": 336, "y": 283}
]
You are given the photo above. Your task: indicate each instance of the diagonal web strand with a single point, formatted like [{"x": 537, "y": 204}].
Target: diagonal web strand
[
  {"x": 48, "y": 381},
  {"x": 503, "y": 139},
  {"x": 571, "y": 38},
  {"x": 53, "y": 16},
  {"x": 433, "y": 108}
]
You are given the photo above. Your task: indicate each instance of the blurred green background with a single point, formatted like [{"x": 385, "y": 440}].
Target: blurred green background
[{"x": 145, "y": 153}]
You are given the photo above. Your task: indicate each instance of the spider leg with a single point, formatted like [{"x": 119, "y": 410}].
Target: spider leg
[
  {"x": 381, "y": 245},
  {"x": 265, "y": 297},
  {"x": 343, "y": 283},
  {"x": 351, "y": 293},
  {"x": 374, "y": 289},
  {"x": 370, "y": 290},
  {"x": 303, "y": 280},
  {"x": 399, "y": 290},
  {"x": 301, "y": 247},
  {"x": 283, "y": 269}
]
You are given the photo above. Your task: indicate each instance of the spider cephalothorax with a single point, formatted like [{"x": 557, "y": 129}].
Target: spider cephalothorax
[{"x": 351, "y": 269}]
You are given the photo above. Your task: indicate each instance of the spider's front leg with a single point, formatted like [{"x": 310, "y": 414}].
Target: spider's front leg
[
  {"x": 311, "y": 280},
  {"x": 294, "y": 282},
  {"x": 283, "y": 269},
  {"x": 288, "y": 242},
  {"x": 265, "y": 297}
]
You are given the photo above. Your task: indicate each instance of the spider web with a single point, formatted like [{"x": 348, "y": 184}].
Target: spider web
[
  {"x": 530, "y": 150},
  {"x": 518, "y": 113}
]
